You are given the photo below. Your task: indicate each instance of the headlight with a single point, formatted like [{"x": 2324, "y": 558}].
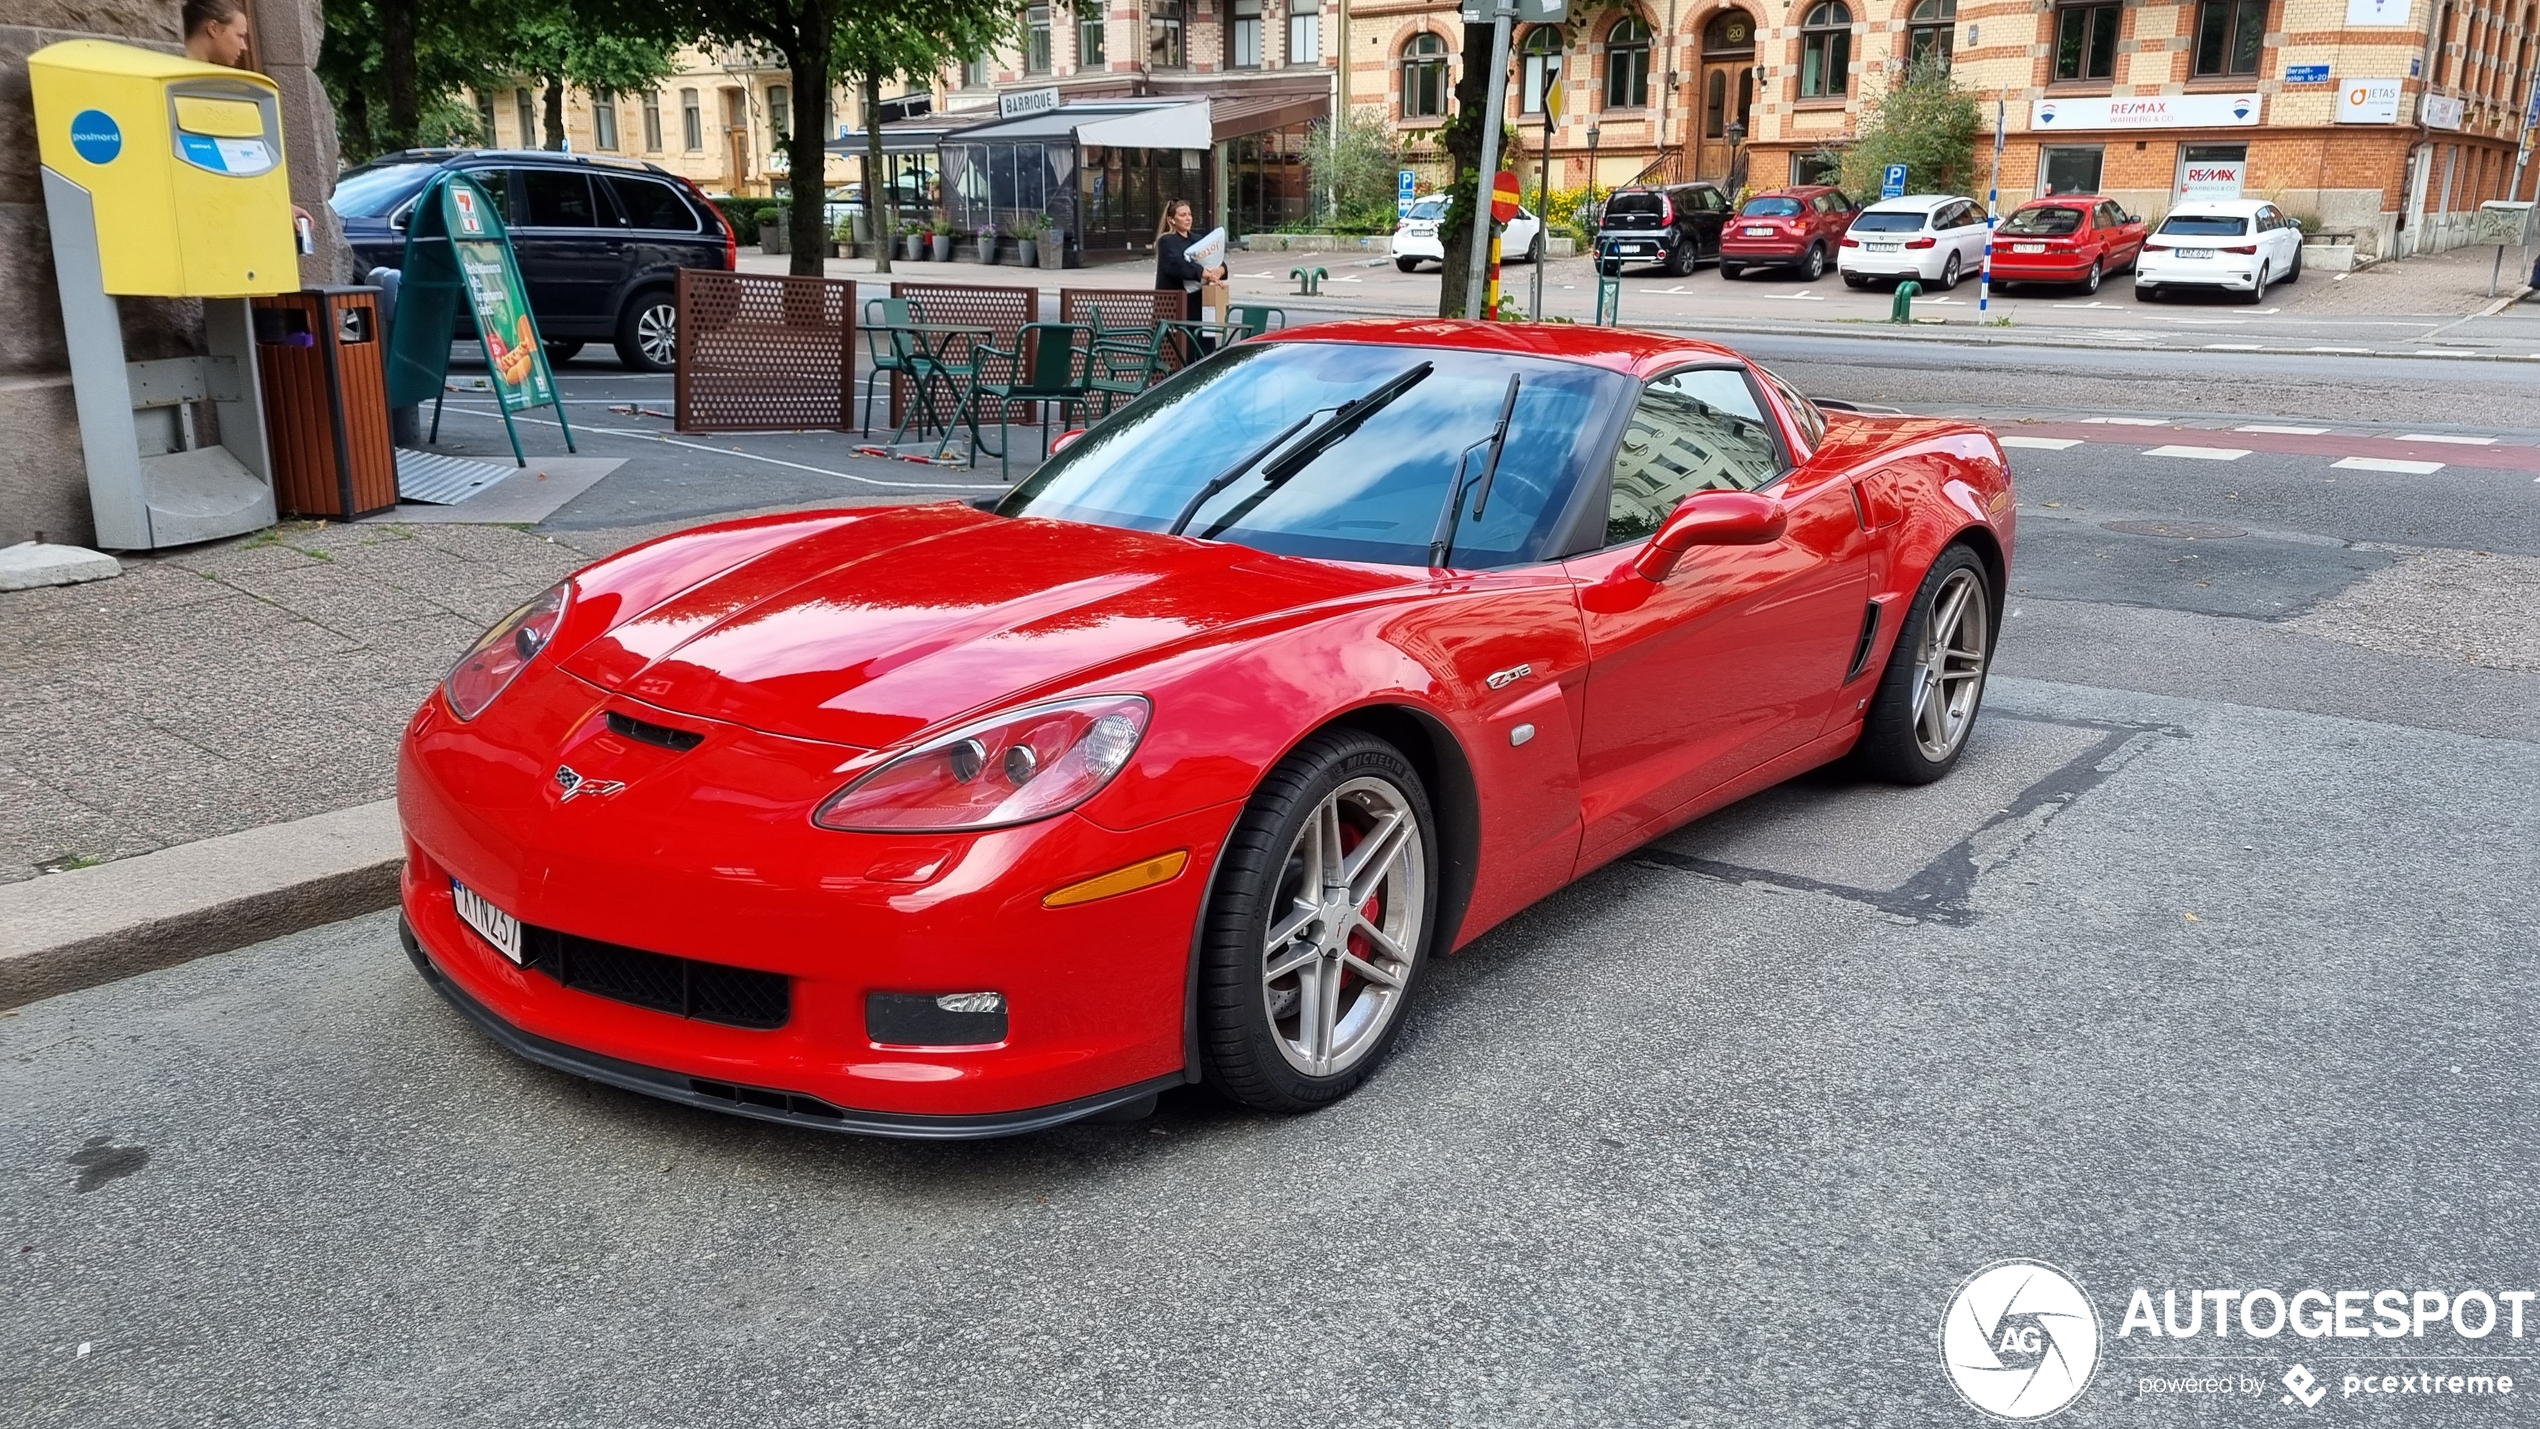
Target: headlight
[
  {"x": 499, "y": 653},
  {"x": 1013, "y": 768}
]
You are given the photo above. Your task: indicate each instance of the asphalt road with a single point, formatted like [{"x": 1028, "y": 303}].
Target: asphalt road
[{"x": 2211, "y": 967}]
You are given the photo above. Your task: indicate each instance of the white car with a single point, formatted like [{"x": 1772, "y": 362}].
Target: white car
[
  {"x": 2237, "y": 245},
  {"x": 1935, "y": 238},
  {"x": 1416, "y": 236}
]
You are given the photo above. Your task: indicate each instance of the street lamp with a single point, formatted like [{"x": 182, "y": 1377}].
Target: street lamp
[
  {"x": 1737, "y": 136},
  {"x": 1600, "y": 203}
]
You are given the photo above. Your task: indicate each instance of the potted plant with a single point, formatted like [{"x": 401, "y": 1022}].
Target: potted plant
[
  {"x": 912, "y": 240},
  {"x": 987, "y": 245},
  {"x": 940, "y": 240},
  {"x": 1053, "y": 243},
  {"x": 1027, "y": 231}
]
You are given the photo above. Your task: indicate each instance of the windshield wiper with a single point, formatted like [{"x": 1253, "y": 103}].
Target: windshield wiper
[
  {"x": 1228, "y": 477},
  {"x": 1442, "y": 545},
  {"x": 1348, "y": 417}
]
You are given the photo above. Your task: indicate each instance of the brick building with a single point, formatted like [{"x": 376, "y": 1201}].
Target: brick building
[{"x": 2387, "y": 120}]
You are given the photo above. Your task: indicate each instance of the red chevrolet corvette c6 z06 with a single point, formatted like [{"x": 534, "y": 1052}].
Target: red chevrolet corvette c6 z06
[{"x": 1182, "y": 763}]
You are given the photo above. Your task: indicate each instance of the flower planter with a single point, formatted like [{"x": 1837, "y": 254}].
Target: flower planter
[
  {"x": 1054, "y": 251},
  {"x": 1027, "y": 253},
  {"x": 913, "y": 247},
  {"x": 943, "y": 248}
]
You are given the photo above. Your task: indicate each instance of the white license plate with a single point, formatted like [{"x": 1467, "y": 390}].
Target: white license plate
[
  {"x": 2028, "y": 247},
  {"x": 1634, "y": 248},
  {"x": 1759, "y": 233},
  {"x": 498, "y": 927},
  {"x": 1886, "y": 247},
  {"x": 2193, "y": 252}
]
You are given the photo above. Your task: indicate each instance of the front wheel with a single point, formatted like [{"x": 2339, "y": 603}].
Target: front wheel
[
  {"x": 559, "y": 353},
  {"x": 1534, "y": 247},
  {"x": 2294, "y": 274},
  {"x": 1927, "y": 699},
  {"x": 648, "y": 332},
  {"x": 1318, "y": 926}
]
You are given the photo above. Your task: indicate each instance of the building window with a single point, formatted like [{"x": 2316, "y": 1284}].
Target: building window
[
  {"x": 1089, "y": 40},
  {"x": 2074, "y": 170},
  {"x": 485, "y": 117},
  {"x": 1932, "y": 32},
  {"x": 1825, "y": 51},
  {"x": 692, "y": 122},
  {"x": 2443, "y": 47},
  {"x": 1243, "y": 37},
  {"x": 1305, "y": 33},
  {"x": 604, "y": 122},
  {"x": 1164, "y": 35},
  {"x": 1424, "y": 77},
  {"x": 1541, "y": 60},
  {"x": 652, "y": 123},
  {"x": 1816, "y": 166},
  {"x": 780, "y": 114},
  {"x": 2229, "y": 36},
  {"x": 1627, "y": 64},
  {"x": 977, "y": 71},
  {"x": 528, "y": 118},
  {"x": 2086, "y": 41},
  {"x": 1036, "y": 40}
]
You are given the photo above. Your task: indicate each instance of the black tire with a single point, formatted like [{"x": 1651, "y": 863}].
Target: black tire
[
  {"x": 559, "y": 353},
  {"x": 1855, "y": 280},
  {"x": 1949, "y": 272},
  {"x": 1889, "y": 747},
  {"x": 1406, "y": 264},
  {"x": 1534, "y": 247},
  {"x": 1813, "y": 267},
  {"x": 2258, "y": 289},
  {"x": 648, "y": 332},
  {"x": 1681, "y": 260},
  {"x": 2004, "y": 285},
  {"x": 1241, "y": 1049},
  {"x": 2294, "y": 275},
  {"x": 2090, "y": 281},
  {"x": 2146, "y": 293},
  {"x": 1732, "y": 271}
]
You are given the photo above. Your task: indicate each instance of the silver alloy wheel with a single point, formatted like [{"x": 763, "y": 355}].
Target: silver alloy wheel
[
  {"x": 657, "y": 333},
  {"x": 2258, "y": 289},
  {"x": 1949, "y": 272},
  {"x": 2091, "y": 284},
  {"x": 1949, "y": 669},
  {"x": 1350, "y": 915}
]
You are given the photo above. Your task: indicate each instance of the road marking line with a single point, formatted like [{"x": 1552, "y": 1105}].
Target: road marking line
[
  {"x": 1801, "y": 295},
  {"x": 2446, "y": 352},
  {"x": 640, "y": 435},
  {"x": 2123, "y": 422},
  {"x": 2236, "y": 347},
  {"x": 2086, "y": 305},
  {"x": 2451, "y": 441},
  {"x": 2383, "y": 463},
  {"x": 2287, "y": 431},
  {"x": 2337, "y": 349},
  {"x": 2046, "y": 444},
  {"x": 2201, "y": 453}
]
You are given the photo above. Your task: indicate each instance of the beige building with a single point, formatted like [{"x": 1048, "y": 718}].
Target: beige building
[
  {"x": 720, "y": 120},
  {"x": 2389, "y": 120}
]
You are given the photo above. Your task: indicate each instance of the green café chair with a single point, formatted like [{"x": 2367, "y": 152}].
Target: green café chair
[{"x": 1049, "y": 365}]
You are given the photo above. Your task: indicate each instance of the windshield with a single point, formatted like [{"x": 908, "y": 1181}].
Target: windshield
[
  {"x": 1374, "y": 495},
  {"x": 371, "y": 192},
  {"x": 2205, "y": 225},
  {"x": 1770, "y": 207},
  {"x": 2045, "y": 221},
  {"x": 1888, "y": 221},
  {"x": 1429, "y": 209}
]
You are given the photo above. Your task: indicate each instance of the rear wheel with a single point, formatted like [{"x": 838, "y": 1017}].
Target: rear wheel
[
  {"x": 1681, "y": 259},
  {"x": 1949, "y": 273},
  {"x": 1813, "y": 266},
  {"x": 2258, "y": 288},
  {"x": 1855, "y": 280},
  {"x": 1732, "y": 271},
  {"x": 2090, "y": 280},
  {"x": 1927, "y": 698},
  {"x": 1318, "y": 926},
  {"x": 1406, "y": 264},
  {"x": 2145, "y": 292},
  {"x": 648, "y": 332}
]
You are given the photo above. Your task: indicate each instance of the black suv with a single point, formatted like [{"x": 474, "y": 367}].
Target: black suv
[
  {"x": 600, "y": 241},
  {"x": 1676, "y": 226}
]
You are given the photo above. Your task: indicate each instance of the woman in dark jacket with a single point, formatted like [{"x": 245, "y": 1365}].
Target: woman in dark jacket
[{"x": 1176, "y": 271}]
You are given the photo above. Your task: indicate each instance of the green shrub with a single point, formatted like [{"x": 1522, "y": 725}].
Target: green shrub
[
  {"x": 1928, "y": 124},
  {"x": 747, "y": 213},
  {"x": 1353, "y": 164}
]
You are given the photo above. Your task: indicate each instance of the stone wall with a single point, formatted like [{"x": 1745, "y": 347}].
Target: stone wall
[{"x": 43, "y": 485}]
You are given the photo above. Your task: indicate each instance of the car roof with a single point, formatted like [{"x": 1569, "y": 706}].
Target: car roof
[
  {"x": 515, "y": 156},
  {"x": 1622, "y": 350},
  {"x": 2235, "y": 207},
  {"x": 1915, "y": 203},
  {"x": 1792, "y": 191},
  {"x": 2066, "y": 201}
]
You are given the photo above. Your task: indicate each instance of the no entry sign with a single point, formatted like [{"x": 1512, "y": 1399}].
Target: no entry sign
[{"x": 1503, "y": 196}]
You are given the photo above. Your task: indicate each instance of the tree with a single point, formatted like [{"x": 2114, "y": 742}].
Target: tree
[
  {"x": 1353, "y": 162},
  {"x": 564, "y": 43},
  {"x": 1928, "y": 124},
  {"x": 418, "y": 56},
  {"x": 1461, "y": 137},
  {"x": 884, "y": 40}
]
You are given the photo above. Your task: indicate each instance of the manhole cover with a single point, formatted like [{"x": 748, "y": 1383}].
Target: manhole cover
[{"x": 2176, "y": 530}]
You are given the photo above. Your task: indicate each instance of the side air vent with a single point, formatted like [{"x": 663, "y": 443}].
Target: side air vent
[
  {"x": 646, "y": 732},
  {"x": 1869, "y": 639}
]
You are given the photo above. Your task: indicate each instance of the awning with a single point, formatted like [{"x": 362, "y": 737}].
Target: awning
[{"x": 918, "y": 135}]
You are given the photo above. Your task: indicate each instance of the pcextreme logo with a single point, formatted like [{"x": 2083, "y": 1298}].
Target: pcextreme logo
[{"x": 2020, "y": 1340}]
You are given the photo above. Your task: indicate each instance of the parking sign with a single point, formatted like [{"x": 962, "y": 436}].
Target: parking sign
[
  {"x": 1893, "y": 186},
  {"x": 1406, "y": 185}
]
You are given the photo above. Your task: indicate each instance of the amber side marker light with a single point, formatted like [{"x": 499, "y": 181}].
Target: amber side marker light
[{"x": 1163, "y": 868}]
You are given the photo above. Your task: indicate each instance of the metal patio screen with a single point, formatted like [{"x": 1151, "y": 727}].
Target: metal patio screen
[
  {"x": 759, "y": 352},
  {"x": 1003, "y": 311}
]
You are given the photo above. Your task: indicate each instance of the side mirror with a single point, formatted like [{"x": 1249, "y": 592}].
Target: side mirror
[
  {"x": 1710, "y": 518},
  {"x": 1064, "y": 440}
]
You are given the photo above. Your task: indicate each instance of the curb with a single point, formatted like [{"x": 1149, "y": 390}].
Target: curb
[{"x": 65, "y": 931}]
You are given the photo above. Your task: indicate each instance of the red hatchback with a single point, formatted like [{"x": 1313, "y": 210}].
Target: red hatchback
[
  {"x": 2069, "y": 238},
  {"x": 1786, "y": 228}
]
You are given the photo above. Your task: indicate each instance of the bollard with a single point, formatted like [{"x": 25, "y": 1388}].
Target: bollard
[
  {"x": 1902, "y": 309},
  {"x": 1309, "y": 281}
]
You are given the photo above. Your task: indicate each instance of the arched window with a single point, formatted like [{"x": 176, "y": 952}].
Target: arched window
[
  {"x": 1539, "y": 67},
  {"x": 1731, "y": 32},
  {"x": 1627, "y": 64},
  {"x": 1932, "y": 32},
  {"x": 1825, "y": 51},
  {"x": 1424, "y": 77},
  {"x": 2230, "y": 35}
]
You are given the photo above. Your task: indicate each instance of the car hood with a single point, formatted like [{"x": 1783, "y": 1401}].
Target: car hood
[{"x": 869, "y": 631}]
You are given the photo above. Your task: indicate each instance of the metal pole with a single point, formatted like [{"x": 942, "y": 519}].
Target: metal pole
[
  {"x": 1494, "y": 113},
  {"x": 1543, "y": 206},
  {"x": 1992, "y": 201}
]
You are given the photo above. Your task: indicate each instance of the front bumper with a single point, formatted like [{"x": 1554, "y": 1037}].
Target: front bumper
[{"x": 710, "y": 856}]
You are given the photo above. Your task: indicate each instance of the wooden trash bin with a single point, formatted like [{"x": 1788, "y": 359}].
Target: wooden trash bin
[{"x": 321, "y": 353}]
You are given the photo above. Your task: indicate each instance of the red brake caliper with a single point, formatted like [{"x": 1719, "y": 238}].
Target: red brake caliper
[{"x": 1360, "y": 945}]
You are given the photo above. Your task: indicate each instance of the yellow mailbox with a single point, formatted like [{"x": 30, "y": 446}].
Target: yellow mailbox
[{"x": 164, "y": 177}]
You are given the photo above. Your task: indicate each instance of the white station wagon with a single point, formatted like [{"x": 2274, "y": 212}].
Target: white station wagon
[{"x": 2230, "y": 245}]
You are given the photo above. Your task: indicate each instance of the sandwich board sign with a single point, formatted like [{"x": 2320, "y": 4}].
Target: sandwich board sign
[{"x": 458, "y": 251}]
